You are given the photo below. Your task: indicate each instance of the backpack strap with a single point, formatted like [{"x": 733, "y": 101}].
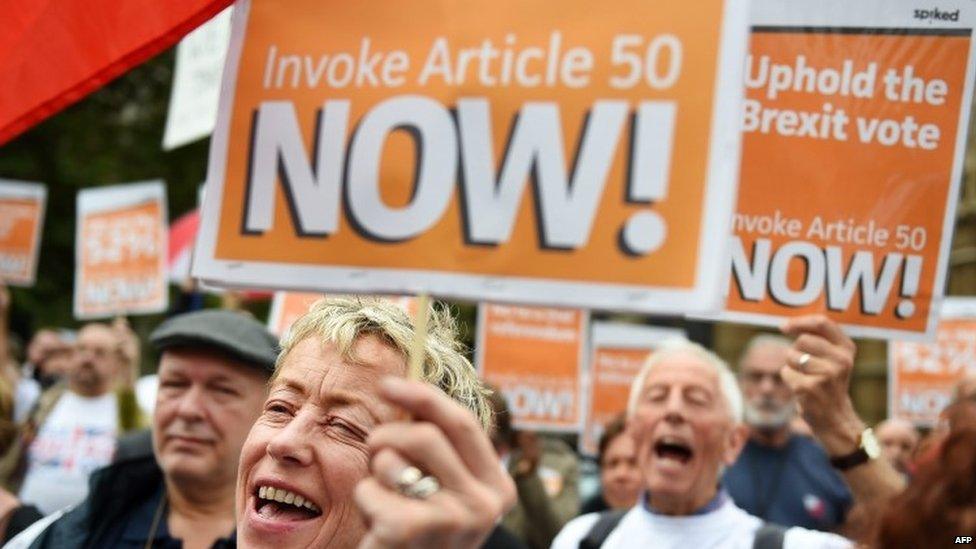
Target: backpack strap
[
  {"x": 600, "y": 531},
  {"x": 769, "y": 536}
]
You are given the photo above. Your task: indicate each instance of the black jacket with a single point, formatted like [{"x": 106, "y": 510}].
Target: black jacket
[{"x": 134, "y": 477}]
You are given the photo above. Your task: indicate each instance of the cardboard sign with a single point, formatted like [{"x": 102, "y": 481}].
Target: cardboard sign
[
  {"x": 21, "y": 222},
  {"x": 534, "y": 356},
  {"x": 618, "y": 351},
  {"x": 921, "y": 376},
  {"x": 508, "y": 151},
  {"x": 854, "y": 132},
  {"x": 286, "y": 307},
  {"x": 196, "y": 82},
  {"x": 120, "y": 250}
]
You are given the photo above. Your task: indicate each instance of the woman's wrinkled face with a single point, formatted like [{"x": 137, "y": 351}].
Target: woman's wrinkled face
[{"x": 307, "y": 451}]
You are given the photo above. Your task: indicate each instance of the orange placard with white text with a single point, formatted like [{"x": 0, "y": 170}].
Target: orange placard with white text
[
  {"x": 21, "y": 221},
  {"x": 120, "y": 251},
  {"x": 534, "y": 355},
  {"x": 852, "y": 155},
  {"x": 286, "y": 307},
  {"x": 921, "y": 376},
  {"x": 618, "y": 352},
  {"x": 507, "y": 150}
]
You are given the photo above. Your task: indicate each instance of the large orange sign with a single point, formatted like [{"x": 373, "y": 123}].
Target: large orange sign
[
  {"x": 21, "y": 221},
  {"x": 510, "y": 150},
  {"x": 618, "y": 352},
  {"x": 120, "y": 251},
  {"x": 534, "y": 356},
  {"x": 851, "y": 161},
  {"x": 921, "y": 376}
]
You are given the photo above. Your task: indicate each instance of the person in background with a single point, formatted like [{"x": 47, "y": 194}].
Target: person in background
[
  {"x": 929, "y": 447},
  {"x": 685, "y": 417},
  {"x": 899, "y": 439},
  {"x": 176, "y": 487},
  {"x": 620, "y": 482},
  {"x": 545, "y": 471},
  {"x": 781, "y": 476},
  {"x": 939, "y": 505},
  {"x": 72, "y": 430},
  {"x": 8, "y": 374},
  {"x": 49, "y": 356}
]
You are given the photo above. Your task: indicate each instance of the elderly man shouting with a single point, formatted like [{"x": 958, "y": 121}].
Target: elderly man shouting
[{"x": 685, "y": 416}]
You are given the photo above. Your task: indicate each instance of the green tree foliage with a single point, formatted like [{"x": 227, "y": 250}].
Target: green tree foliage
[{"x": 112, "y": 136}]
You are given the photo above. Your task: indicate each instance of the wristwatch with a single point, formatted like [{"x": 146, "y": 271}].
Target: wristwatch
[{"x": 867, "y": 449}]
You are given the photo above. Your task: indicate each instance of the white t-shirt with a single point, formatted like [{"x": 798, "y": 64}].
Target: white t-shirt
[
  {"x": 26, "y": 394},
  {"x": 726, "y": 527},
  {"x": 77, "y": 438}
]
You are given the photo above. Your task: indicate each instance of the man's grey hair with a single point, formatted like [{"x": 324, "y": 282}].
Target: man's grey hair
[
  {"x": 341, "y": 321},
  {"x": 728, "y": 387},
  {"x": 764, "y": 340}
]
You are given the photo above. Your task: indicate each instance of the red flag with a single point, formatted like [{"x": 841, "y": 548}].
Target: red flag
[{"x": 55, "y": 52}]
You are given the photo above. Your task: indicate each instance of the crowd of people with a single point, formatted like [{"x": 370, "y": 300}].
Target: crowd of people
[{"x": 322, "y": 439}]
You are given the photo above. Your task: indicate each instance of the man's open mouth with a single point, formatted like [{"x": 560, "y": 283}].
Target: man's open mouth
[
  {"x": 280, "y": 504},
  {"x": 673, "y": 449}
]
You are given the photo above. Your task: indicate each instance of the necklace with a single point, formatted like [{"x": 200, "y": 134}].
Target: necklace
[{"x": 157, "y": 516}]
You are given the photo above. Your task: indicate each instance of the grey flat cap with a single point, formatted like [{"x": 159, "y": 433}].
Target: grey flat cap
[{"x": 235, "y": 334}]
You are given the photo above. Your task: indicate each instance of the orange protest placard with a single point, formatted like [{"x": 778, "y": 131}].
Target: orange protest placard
[
  {"x": 120, "y": 251},
  {"x": 534, "y": 356},
  {"x": 507, "y": 150},
  {"x": 851, "y": 161},
  {"x": 21, "y": 220},
  {"x": 286, "y": 307},
  {"x": 921, "y": 376},
  {"x": 618, "y": 352}
]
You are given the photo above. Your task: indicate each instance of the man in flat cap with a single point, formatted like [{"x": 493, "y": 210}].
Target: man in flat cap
[{"x": 213, "y": 374}]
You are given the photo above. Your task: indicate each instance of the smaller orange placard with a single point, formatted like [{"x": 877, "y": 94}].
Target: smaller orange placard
[
  {"x": 533, "y": 356},
  {"x": 921, "y": 376},
  {"x": 121, "y": 251},
  {"x": 21, "y": 220},
  {"x": 618, "y": 353},
  {"x": 287, "y": 307}
]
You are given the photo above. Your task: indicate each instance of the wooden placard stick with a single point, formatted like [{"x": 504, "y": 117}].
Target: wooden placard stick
[{"x": 416, "y": 369}]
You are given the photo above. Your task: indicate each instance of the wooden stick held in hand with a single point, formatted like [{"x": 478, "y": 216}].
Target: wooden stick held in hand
[{"x": 416, "y": 369}]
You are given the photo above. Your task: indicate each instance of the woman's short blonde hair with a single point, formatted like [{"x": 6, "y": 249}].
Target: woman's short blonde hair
[{"x": 343, "y": 320}]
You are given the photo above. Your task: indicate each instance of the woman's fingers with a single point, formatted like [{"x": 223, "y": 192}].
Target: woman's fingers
[{"x": 464, "y": 433}]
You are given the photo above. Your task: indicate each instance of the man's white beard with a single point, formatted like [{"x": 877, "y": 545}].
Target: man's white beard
[{"x": 769, "y": 420}]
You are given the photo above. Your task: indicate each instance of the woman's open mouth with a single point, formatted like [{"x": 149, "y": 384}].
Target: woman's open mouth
[{"x": 272, "y": 503}]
